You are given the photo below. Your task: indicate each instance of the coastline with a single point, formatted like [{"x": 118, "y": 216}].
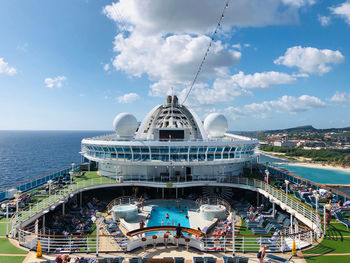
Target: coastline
[
  {"x": 317, "y": 165},
  {"x": 303, "y": 162}
]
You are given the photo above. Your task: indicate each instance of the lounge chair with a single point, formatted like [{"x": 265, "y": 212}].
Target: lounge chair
[
  {"x": 298, "y": 196},
  {"x": 209, "y": 260},
  {"x": 262, "y": 231},
  {"x": 179, "y": 260},
  {"x": 235, "y": 260},
  {"x": 285, "y": 223},
  {"x": 198, "y": 260},
  {"x": 341, "y": 219},
  {"x": 255, "y": 224},
  {"x": 274, "y": 258}
]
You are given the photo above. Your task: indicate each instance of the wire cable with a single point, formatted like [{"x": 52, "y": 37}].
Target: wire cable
[{"x": 207, "y": 51}]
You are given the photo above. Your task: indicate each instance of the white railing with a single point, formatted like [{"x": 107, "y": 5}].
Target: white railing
[{"x": 60, "y": 196}]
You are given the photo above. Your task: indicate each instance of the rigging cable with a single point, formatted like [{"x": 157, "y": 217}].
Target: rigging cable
[{"x": 207, "y": 51}]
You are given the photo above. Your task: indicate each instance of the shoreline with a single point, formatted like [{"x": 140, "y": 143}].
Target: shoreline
[
  {"x": 302, "y": 162},
  {"x": 320, "y": 166}
]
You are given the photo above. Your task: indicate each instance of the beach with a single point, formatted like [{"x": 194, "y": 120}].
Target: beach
[{"x": 306, "y": 162}]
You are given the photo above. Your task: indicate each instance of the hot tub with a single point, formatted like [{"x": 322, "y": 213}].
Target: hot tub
[
  {"x": 127, "y": 212},
  {"x": 209, "y": 212}
]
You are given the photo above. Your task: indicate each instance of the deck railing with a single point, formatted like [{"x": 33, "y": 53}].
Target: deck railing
[{"x": 62, "y": 195}]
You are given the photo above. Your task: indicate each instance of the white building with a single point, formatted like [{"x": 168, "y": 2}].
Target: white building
[{"x": 171, "y": 144}]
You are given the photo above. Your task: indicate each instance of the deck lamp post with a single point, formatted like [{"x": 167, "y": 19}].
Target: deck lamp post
[
  {"x": 49, "y": 183},
  {"x": 267, "y": 176},
  {"x": 71, "y": 173},
  {"x": 17, "y": 195},
  {"x": 317, "y": 196},
  {"x": 7, "y": 217},
  {"x": 44, "y": 213},
  {"x": 98, "y": 221},
  {"x": 287, "y": 183}
]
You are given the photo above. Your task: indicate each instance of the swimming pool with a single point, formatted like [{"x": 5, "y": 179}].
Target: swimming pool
[{"x": 176, "y": 215}]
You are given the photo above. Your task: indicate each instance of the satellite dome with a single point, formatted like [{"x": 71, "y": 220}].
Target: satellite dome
[
  {"x": 125, "y": 124},
  {"x": 215, "y": 125}
]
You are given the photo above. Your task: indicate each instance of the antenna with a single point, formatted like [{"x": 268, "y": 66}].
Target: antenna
[{"x": 207, "y": 51}]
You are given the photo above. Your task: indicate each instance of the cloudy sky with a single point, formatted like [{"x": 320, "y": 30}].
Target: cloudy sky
[{"x": 75, "y": 64}]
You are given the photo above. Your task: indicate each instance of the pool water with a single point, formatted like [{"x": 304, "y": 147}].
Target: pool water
[
  {"x": 176, "y": 215},
  {"x": 124, "y": 207}
]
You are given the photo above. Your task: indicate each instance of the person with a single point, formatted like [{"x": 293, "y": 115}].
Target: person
[
  {"x": 187, "y": 217},
  {"x": 65, "y": 258},
  {"x": 261, "y": 253},
  {"x": 167, "y": 216},
  {"x": 162, "y": 222},
  {"x": 148, "y": 216},
  {"x": 142, "y": 224},
  {"x": 328, "y": 208},
  {"x": 330, "y": 195},
  {"x": 179, "y": 230},
  {"x": 142, "y": 204}
]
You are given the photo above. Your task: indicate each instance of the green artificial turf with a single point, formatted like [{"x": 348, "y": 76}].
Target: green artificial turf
[
  {"x": 331, "y": 245},
  {"x": 3, "y": 228},
  {"x": 327, "y": 259},
  {"x": 15, "y": 259},
  {"x": 7, "y": 248}
]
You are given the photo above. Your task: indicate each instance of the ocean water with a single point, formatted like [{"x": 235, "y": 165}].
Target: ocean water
[
  {"x": 319, "y": 175},
  {"x": 25, "y": 155}
]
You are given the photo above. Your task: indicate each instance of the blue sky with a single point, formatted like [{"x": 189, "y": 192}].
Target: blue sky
[{"x": 74, "y": 64}]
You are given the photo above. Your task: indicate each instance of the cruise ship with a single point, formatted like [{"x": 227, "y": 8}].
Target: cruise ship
[{"x": 171, "y": 188}]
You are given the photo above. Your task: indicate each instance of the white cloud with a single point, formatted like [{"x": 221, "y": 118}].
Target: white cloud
[
  {"x": 262, "y": 80},
  {"x": 128, "y": 98},
  {"x": 194, "y": 17},
  {"x": 298, "y": 3},
  {"x": 167, "y": 39},
  {"x": 324, "y": 20},
  {"x": 343, "y": 11},
  {"x": 6, "y": 69},
  {"x": 340, "y": 97},
  {"x": 171, "y": 61},
  {"x": 285, "y": 104},
  {"x": 106, "y": 67},
  {"x": 310, "y": 59},
  {"x": 56, "y": 82}
]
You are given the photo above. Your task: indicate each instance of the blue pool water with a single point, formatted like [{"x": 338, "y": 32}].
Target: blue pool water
[
  {"x": 175, "y": 213},
  {"x": 319, "y": 175}
]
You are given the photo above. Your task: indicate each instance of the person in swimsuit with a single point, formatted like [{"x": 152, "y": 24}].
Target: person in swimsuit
[
  {"x": 261, "y": 253},
  {"x": 166, "y": 216}
]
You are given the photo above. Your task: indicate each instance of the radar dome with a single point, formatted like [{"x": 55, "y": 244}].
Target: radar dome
[
  {"x": 215, "y": 125},
  {"x": 125, "y": 124}
]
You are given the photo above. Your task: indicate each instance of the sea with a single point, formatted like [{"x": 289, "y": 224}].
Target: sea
[{"x": 25, "y": 155}]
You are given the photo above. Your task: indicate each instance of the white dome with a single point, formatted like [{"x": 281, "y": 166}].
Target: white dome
[
  {"x": 215, "y": 125},
  {"x": 125, "y": 124}
]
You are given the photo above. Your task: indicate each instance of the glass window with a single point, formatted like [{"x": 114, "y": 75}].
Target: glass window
[
  {"x": 155, "y": 157},
  {"x": 194, "y": 150},
  {"x": 136, "y": 149},
  {"x": 183, "y": 157},
  {"x": 137, "y": 157},
  {"x": 154, "y": 150},
  {"x": 202, "y": 149},
  {"x": 183, "y": 149},
  {"x": 201, "y": 157},
  {"x": 127, "y": 149},
  {"x": 211, "y": 149},
  {"x": 217, "y": 156},
  {"x": 144, "y": 150},
  {"x": 210, "y": 157},
  {"x": 225, "y": 156},
  {"x": 193, "y": 157},
  {"x": 219, "y": 149},
  {"x": 164, "y": 149},
  {"x": 174, "y": 157},
  {"x": 174, "y": 149},
  {"x": 128, "y": 156},
  {"x": 145, "y": 157},
  {"x": 227, "y": 149},
  {"x": 113, "y": 155},
  {"x": 232, "y": 155}
]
